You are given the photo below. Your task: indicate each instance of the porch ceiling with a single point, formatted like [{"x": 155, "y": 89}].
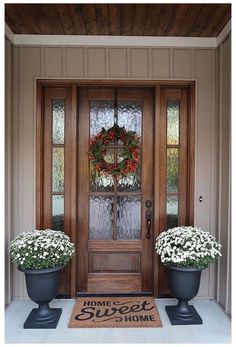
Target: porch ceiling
[{"x": 193, "y": 20}]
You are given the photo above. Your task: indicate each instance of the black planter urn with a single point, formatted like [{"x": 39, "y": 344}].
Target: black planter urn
[
  {"x": 42, "y": 286},
  {"x": 184, "y": 284}
]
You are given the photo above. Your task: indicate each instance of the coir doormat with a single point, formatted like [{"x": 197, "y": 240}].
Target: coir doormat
[{"x": 115, "y": 312}]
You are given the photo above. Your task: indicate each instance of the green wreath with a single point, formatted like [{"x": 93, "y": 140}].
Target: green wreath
[{"x": 130, "y": 155}]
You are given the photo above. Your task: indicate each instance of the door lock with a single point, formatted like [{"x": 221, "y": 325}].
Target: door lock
[{"x": 148, "y": 215}]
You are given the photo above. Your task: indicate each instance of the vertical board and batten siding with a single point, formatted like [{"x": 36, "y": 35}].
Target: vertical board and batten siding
[
  {"x": 113, "y": 63},
  {"x": 224, "y": 203},
  {"x": 8, "y": 168}
]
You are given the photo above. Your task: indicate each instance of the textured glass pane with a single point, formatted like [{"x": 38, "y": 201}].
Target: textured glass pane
[
  {"x": 100, "y": 182},
  {"x": 100, "y": 217},
  {"x": 58, "y": 115},
  {"x": 129, "y": 217},
  {"x": 101, "y": 116},
  {"x": 172, "y": 122},
  {"x": 58, "y": 170},
  {"x": 132, "y": 181},
  {"x": 172, "y": 170},
  {"x": 130, "y": 115},
  {"x": 58, "y": 212},
  {"x": 172, "y": 211}
]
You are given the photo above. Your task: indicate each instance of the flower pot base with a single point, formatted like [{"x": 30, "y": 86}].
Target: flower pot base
[
  {"x": 176, "y": 318},
  {"x": 37, "y": 321}
]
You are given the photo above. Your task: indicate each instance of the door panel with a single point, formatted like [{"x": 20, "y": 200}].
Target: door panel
[{"x": 116, "y": 256}]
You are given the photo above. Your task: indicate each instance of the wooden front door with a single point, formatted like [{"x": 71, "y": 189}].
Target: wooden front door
[
  {"x": 104, "y": 216},
  {"x": 115, "y": 253}
]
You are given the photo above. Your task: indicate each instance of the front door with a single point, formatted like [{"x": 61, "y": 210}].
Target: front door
[
  {"x": 113, "y": 220},
  {"x": 115, "y": 244}
]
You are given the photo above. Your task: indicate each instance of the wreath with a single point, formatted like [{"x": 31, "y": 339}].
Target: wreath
[{"x": 130, "y": 154}]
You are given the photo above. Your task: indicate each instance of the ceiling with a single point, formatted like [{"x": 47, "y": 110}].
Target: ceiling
[{"x": 193, "y": 20}]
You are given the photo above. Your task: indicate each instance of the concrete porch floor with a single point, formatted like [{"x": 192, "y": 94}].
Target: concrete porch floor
[{"x": 216, "y": 326}]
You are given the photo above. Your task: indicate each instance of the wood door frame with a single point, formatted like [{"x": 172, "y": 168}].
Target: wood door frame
[{"x": 74, "y": 84}]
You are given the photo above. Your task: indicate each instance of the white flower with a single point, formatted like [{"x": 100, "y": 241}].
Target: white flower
[
  {"x": 29, "y": 249},
  {"x": 187, "y": 244}
]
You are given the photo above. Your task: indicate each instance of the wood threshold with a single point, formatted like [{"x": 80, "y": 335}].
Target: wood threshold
[{"x": 113, "y": 295}]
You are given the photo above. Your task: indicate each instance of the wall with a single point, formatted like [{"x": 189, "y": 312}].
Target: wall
[
  {"x": 224, "y": 206},
  {"x": 113, "y": 63},
  {"x": 8, "y": 168}
]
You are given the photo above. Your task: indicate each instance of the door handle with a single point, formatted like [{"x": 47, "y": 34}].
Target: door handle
[{"x": 148, "y": 215}]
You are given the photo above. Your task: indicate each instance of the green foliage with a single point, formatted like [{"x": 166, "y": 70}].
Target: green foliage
[
  {"x": 187, "y": 246},
  {"x": 41, "y": 249}
]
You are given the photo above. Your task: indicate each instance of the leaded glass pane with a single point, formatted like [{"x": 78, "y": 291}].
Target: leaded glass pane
[
  {"x": 172, "y": 170},
  {"x": 172, "y": 122},
  {"x": 132, "y": 181},
  {"x": 101, "y": 116},
  {"x": 58, "y": 116},
  {"x": 130, "y": 116},
  {"x": 100, "y": 217},
  {"x": 58, "y": 170},
  {"x": 129, "y": 217},
  {"x": 172, "y": 208},
  {"x": 58, "y": 212}
]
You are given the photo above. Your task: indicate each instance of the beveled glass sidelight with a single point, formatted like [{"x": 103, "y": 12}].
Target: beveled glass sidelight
[
  {"x": 130, "y": 115},
  {"x": 58, "y": 169},
  {"x": 173, "y": 122},
  {"x": 101, "y": 116},
  {"x": 58, "y": 121},
  {"x": 172, "y": 208},
  {"x": 58, "y": 212},
  {"x": 172, "y": 170},
  {"x": 100, "y": 217},
  {"x": 129, "y": 218}
]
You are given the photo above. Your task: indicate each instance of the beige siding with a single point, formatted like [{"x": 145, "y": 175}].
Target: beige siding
[
  {"x": 112, "y": 62},
  {"x": 8, "y": 168},
  {"x": 224, "y": 228},
  {"x": 53, "y": 61},
  {"x": 97, "y": 62},
  {"x": 205, "y": 153},
  {"x": 118, "y": 62},
  {"x": 182, "y": 63},
  {"x": 75, "y": 62},
  {"x": 139, "y": 63},
  {"x": 160, "y": 63}
]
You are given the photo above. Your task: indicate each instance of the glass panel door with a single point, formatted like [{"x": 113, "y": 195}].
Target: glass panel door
[{"x": 115, "y": 224}]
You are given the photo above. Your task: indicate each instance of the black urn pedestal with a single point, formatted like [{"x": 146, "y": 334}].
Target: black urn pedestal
[
  {"x": 42, "y": 286},
  {"x": 184, "y": 285}
]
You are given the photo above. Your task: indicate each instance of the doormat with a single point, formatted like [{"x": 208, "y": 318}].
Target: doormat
[{"x": 118, "y": 312}]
